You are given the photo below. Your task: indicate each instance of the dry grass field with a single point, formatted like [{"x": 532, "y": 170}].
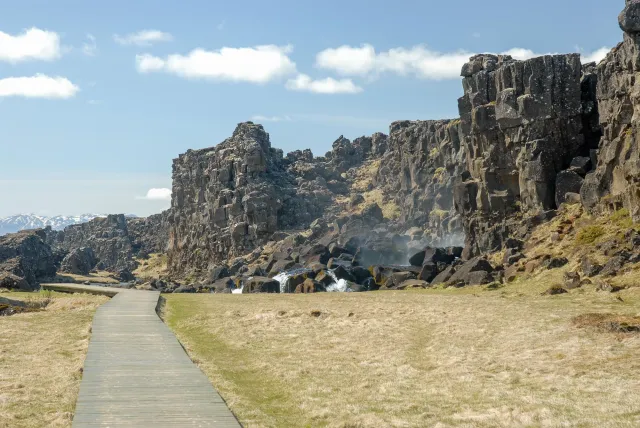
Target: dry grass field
[
  {"x": 438, "y": 358},
  {"x": 41, "y": 359}
]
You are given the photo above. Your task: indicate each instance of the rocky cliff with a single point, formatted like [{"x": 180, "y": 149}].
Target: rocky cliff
[
  {"x": 149, "y": 235},
  {"x": 108, "y": 237},
  {"x": 522, "y": 123},
  {"x": 25, "y": 260},
  {"x": 532, "y": 135},
  {"x": 422, "y": 162},
  {"x": 615, "y": 183}
]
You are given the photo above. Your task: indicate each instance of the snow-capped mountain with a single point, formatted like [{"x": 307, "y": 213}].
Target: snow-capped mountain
[{"x": 31, "y": 221}]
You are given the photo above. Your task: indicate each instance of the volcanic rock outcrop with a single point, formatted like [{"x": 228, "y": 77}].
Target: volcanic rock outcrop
[
  {"x": 522, "y": 123},
  {"x": 107, "y": 237},
  {"x": 25, "y": 260},
  {"x": 423, "y": 161},
  {"x": 149, "y": 234},
  {"x": 616, "y": 181}
]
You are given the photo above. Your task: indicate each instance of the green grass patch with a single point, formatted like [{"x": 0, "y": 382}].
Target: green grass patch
[{"x": 589, "y": 235}]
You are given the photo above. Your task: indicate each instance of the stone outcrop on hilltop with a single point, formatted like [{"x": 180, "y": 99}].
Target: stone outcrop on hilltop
[
  {"x": 522, "y": 123},
  {"x": 25, "y": 260},
  {"x": 615, "y": 183}
]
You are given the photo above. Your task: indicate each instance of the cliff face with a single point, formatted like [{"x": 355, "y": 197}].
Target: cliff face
[
  {"x": 616, "y": 181},
  {"x": 108, "y": 237},
  {"x": 149, "y": 234},
  {"x": 522, "y": 124},
  {"x": 229, "y": 199},
  {"x": 422, "y": 162}
]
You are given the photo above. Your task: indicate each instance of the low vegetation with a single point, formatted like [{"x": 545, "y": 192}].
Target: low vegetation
[
  {"x": 476, "y": 357},
  {"x": 151, "y": 268},
  {"x": 41, "y": 357}
]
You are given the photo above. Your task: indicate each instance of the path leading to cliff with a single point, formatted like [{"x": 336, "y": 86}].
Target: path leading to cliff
[{"x": 137, "y": 374}]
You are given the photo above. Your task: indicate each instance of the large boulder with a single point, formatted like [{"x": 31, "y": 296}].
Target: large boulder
[
  {"x": 473, "y": 272},
  {"x": 260, "y": 284},
  {"x": 567, "y": 182},
  {"x": 26, "y": 259}
]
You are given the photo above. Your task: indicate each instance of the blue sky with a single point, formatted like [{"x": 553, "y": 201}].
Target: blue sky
[{"x": 94, "y": 108}]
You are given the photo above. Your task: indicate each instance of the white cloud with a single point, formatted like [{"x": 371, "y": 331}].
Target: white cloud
[
  {"x": 90, "y": 48},
  {"x": 328, "y": 85},
  {"x": 94, "y": 102},
  {"x": 476, "y": 35},
  {"x": 143, "y": 38},
  {"x": 32, "y": 44},
  {"x": 595, "y": 56},
  {"x": 221, "y": 25},
  {"x": 418, "y": 60},
  {"x": 259, "y": 64},
  {"x": 261, "y": 118},
  {"x": 38, "y": 86},
  {"x": 158, "y": 195}
]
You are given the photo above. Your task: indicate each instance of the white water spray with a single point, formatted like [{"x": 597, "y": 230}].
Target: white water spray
[{"x": 338, "y": 285}]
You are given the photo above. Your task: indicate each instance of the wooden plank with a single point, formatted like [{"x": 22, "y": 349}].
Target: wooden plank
[{"x": 136, "y": 373}]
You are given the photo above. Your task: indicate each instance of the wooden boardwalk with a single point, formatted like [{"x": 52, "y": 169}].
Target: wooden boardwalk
[{"x": 136, "y": 373}]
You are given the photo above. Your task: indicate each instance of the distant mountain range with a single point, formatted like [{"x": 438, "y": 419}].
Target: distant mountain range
[{"x": 31, "y": 221}]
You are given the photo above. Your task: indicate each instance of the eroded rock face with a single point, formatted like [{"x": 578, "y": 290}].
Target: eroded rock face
[
  {"x": 108, "y": 237},
  {"x": 231, "y": 198},
  {"x": 522, "y": 123},
  {"x": 25, "y": 259},
  {"x": 79, "y": 261},
  {"x": 616, "y": 181},
  {"x": 423, "y": 161},
  {"x": 149, "y": 234}
]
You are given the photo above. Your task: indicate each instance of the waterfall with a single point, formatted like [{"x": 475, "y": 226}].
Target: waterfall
[{"x": 338, "y": 285}]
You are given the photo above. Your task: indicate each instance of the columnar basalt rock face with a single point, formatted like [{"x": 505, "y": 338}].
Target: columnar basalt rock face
[
  {"x": 616, "y": 181},
  {"x": 423, "y": 161},
  {"x": 522, "y": 123},
  {"x": 108, "y": 237}
]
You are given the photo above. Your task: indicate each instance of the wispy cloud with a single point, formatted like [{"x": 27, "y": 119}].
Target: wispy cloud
[
  {"x": 327, "y": 85},
  {"x": 161, "y": 194},
  {"x": 32, "y": 44},
  {"x": 419, "y": 61},
  {"x": 90, "y": 47},
  {"x": 221, "y": 25},
  {"x": 143, "y": 38},
  {"x": 261, "y": 118},
  {"x": 260, "y": 64},
  {"x": 38, "y": 86},
  {"x": 94, "y": 102}
]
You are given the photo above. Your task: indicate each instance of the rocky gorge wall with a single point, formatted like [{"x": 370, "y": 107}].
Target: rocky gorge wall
[
  {"x": 522, "y": 123},
  {"x": 422, "y": 163},
  {"x": 531, "y": 136},
  {"x": 615, "y": 183}
]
